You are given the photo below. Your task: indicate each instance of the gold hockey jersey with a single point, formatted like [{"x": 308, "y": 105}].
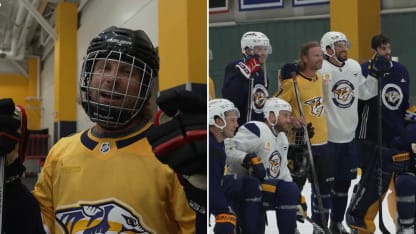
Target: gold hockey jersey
[
  {"x": 311, "y": 96},
  {"x": 110, "y": 185}
]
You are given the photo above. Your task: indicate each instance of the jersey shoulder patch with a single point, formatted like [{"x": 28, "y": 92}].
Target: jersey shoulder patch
[{"x": 252, "y": 127}]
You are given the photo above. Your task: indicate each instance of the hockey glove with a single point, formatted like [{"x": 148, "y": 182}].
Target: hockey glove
[
  {"x": 225, "y": 223},
  {"x": 13, "y": 130},
  {"x": 253, "y": 162},
  {"x": 379, "y": 66},
  {"x": 289, "y": 70},
  {"x": 311, "y": 130},
  {"x": 297, "y": 160},
  {"x": 250, "y": 66},
  {"x": 197, "y": 196},
  {"x": 181, "y": 142}
]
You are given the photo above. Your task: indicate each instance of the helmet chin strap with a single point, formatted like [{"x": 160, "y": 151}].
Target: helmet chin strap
[
  {"x": 335, "y": 57},
  {"x": 272, "y": 126}
]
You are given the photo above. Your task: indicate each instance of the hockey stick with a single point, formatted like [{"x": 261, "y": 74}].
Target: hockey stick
[
  {"x": 250, "y": 98},
  {"x": 312, "y": 164},
  {"x": 2, "y": 175},
  {"x": 381, "y": 225}
]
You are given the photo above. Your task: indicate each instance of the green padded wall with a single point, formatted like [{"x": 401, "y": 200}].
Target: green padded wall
[{"x": 287, "y": 36}]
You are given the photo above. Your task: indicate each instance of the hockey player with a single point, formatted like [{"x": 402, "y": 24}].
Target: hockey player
[
  {"x": 267, "y": 141},
  {"x": 311, "y": 94},
  {"x": 343, "y": 85},
  {"x": 230, "y": 193},
  {"x": 405, "y": 183},
  {"x": 20, "y": 210},
  {"x": 394, "y": 85},
  {"x": 106, "y": 179},
  {"x": 245, "y": 81}
]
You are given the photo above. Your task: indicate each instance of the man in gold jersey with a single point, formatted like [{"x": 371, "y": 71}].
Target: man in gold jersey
[
  {"x": 311, "y": 96},
  {"x": 106, "y": 179}
]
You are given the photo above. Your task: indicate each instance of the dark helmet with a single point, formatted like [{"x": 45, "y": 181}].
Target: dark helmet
[{"x": 121, "y": 46}]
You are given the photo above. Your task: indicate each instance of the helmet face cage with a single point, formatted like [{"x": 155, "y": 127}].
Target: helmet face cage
[
  {"x": 218, "y": 108},
  {"x": 252, "y": 39},
  {"x": 275, "y": 105},
  {"x": 329, "y": 39},
  {"x": 129, "y": 88}
]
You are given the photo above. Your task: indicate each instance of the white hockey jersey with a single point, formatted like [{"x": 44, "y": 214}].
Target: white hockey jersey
[
  {"x": 256, "y": 137},
  {"x": 343, "y": 86}
]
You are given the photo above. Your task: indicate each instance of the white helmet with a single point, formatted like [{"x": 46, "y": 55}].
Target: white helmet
[
  {"x": 329, "y": 39},
  {"x": 252, "y": 39},
  {"x": 217, "y": 108},
  {"x": 275, "y": 105}
]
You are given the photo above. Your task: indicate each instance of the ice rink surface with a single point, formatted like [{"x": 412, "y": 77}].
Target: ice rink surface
[{"x": 307, "y": 227}]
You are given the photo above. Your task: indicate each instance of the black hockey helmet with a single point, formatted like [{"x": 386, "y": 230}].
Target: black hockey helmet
[{"x": 122, "y": 46}]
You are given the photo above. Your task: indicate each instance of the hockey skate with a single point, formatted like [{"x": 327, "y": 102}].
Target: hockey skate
[{"x": 338, "y": 228}]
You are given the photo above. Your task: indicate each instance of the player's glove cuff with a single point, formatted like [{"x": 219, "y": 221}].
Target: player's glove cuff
[
  {"x": 196, "y": 197},
  {"x": 244, "y": 69},
  {"x": 253, "y": 162},
  {"x": 13, "y": 173}
]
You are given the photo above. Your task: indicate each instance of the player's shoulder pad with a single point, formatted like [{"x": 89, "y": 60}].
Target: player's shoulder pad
[
  {"x": 400, "y": 67},
  {"x": 252, "y": 127},
  {"x": 353, "y": 63}
]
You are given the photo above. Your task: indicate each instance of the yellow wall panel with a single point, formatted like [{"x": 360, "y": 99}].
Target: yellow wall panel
[
  {"x": 359, "y": 20},
  {"x": 65, "y": 69},
  {"x": 182, "y": 42}
]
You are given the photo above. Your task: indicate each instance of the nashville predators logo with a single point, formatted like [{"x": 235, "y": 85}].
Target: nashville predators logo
[
  {"x": 316, "y": 105},
  {"x": 107, "y": 217},
  {"x": 275, "y": 160},
  {"x": 259, "y": 97},
  {"x": 392, "y": 96},
  {"x": 343, "y": 94}
]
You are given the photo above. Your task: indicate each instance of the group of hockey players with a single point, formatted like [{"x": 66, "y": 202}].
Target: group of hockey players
[{"x": 329, "y": 117}]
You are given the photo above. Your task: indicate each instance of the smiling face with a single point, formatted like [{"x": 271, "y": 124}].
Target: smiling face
[
  {"x": 114, "y": 88},
  {"x": 384, "y": 50},
  {"x": 115, "y": 83},
  {"x": 341, "y": 50},
  {"x": 313, "y": 58}
]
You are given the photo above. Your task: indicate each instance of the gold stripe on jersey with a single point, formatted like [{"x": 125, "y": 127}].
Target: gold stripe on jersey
[
  {"x": 95, "y": 183},
  {"x": 311, "y": 95}
]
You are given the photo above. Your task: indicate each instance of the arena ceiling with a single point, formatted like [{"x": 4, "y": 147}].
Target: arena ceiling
[{"x": 26, "y": 29}]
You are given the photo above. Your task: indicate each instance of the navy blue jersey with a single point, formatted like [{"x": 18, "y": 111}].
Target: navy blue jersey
[
  {"x": 395, "y": 99},
  {"x": 407, "y": 140},
  {"x": 217, "y": 200},
  {"x": 236, "y": 88}
]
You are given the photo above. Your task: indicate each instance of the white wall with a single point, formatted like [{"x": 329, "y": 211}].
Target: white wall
[{"x": 96, "y": 16}]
